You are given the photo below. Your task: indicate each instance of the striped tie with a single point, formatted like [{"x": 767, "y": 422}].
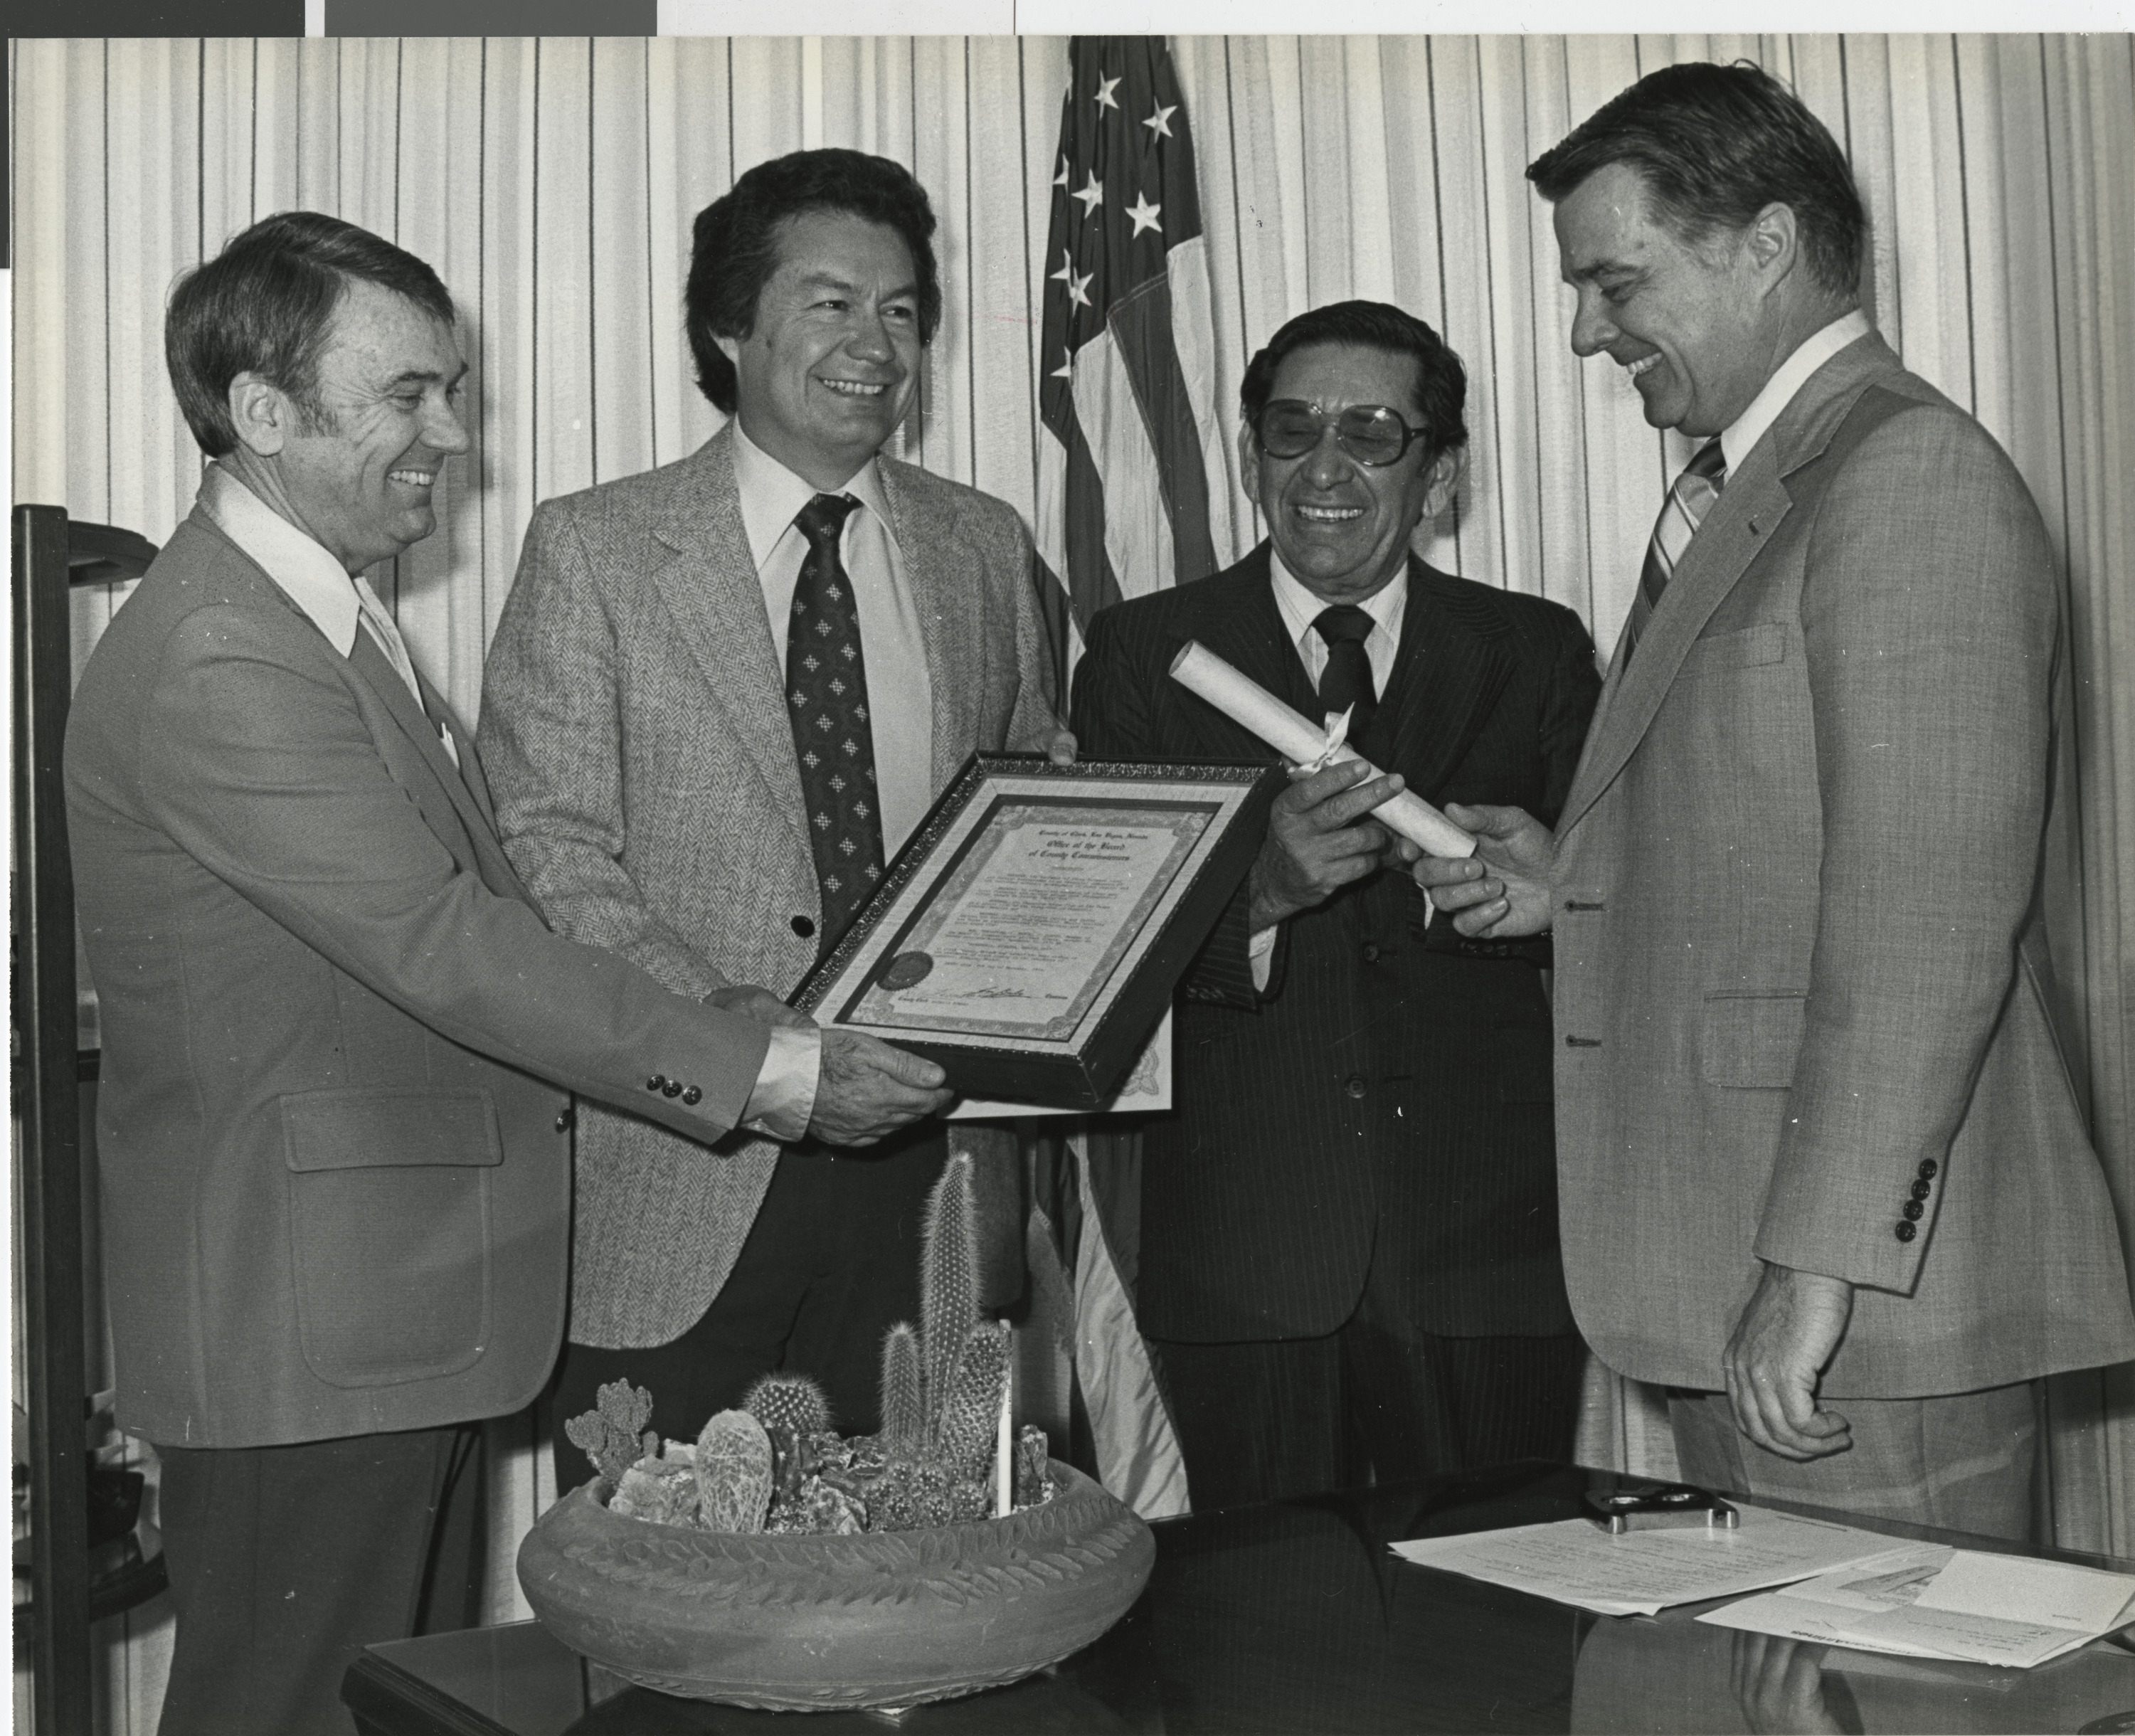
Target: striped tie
[{"x": 1681, "y": 512}]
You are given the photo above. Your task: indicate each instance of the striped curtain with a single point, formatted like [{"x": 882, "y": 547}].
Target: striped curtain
[{"x": 552, "y": 183}]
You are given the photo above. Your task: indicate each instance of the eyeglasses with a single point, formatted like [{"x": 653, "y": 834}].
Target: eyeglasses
[{"x": 1371, "y": 434}]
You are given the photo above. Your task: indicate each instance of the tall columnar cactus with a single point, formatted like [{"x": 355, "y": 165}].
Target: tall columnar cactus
[
  {"x": 904, "y": 1403},
  {"x": 948, "y": 1281},
  {"x": 788, "y": 1401}
]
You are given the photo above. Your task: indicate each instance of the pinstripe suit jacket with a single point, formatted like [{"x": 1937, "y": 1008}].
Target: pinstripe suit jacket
[
  {"x": 634, "y": 728},
  {"x": 1385, "y": 1100},
  {"x": 1802, "y": 964}
]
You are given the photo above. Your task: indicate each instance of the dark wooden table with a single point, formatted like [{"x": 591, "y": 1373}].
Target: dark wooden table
[{"x": 1296, "y": 1617}]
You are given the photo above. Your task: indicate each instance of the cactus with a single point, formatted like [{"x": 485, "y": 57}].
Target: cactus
[
  {"x": 657, "y": 1489},
  {"x": 948, "y": 1281},
  {"x": 788, "y": 1401},
  {"x": 904, "y": 1403},
  {"x": 970, "y": 1408},
  {"x": 1034, "y": 1479},
  {"x": 733, "y": 1472},
  {"x": 614, "y": 1436}
]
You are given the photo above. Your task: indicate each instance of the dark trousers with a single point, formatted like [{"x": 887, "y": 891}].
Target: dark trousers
[
  {"x": 1375, "y": 1400},
  {"x": 285, "y": 1562},
  {"x": 831, "y": 1264}
]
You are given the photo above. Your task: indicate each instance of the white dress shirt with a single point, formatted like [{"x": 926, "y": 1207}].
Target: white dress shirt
[
  {"x": 1790, "y": 377},
  {"x": 900, "y": 693},
  {"x": 318, "y": 585},
  {"x": 1300, "y": 608}
]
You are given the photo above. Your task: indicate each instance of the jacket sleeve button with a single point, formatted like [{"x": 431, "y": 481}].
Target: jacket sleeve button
[
  {"x": 658, "y": 1081},
  {"x": 1904, "y": 1232},
  {"x": 1920, "y": 1189},
  {"x": 693, "y": 1097},
  {"x": 1913, "y": 1210},
  {"x": 673, "y": 1088},
  {"x": 1928, "y": 1169},
  {"x": 564, "y": 1119}
]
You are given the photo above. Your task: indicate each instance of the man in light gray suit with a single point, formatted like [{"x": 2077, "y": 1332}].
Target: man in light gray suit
[
  {"x": 1818, "y": 1142},
  {"x": 720, "y": 696},
  {"x": 338, "y": 1044}
]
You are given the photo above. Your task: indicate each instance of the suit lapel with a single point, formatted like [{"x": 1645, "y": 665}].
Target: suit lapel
[
  {"x": 1740, "y": 525},
  {"x": 943, "y": 574},
  {"x": 1447, "y": 678},
  {"x": 1246, "y": 629},
  {"x": 369, "y": 669},
  {"x": 711, "y": 592}
]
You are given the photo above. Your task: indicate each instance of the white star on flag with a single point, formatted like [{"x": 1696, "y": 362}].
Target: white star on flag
[
  {"x": 1078, "y": 289},
  {"x": 1160, "y": 122},
  {"x": 1065, "y": 371},
  {"x": 1061, "y": 179},
  {"x": 1105, "y": 88},
  {"x": 1143, "y": 215},
  {"x": 1065, "y": 274},
  {"x": 1092, "y": 195}
]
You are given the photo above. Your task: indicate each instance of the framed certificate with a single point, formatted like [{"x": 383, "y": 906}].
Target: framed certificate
[{"x": 1029, "y": 933}]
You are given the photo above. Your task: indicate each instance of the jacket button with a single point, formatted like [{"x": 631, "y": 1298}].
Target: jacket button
[
  {"x": 1370, "y": 952},
  {"x": 1904, "y": 1232},
  {"x": 1921, "y": 1190},
  {"x": 1913, "y": 1210},
  {"x": 693, "y": 1097},
  {"x": 658, "y": 1081},
  {"x": 1355, "y": 1087},
  {"x": 673, "y": 1088},
  {"x": 804, "y": 926},
  {"x": 564, "y": 1119},
  {"x": 1928, "y": 1169}
]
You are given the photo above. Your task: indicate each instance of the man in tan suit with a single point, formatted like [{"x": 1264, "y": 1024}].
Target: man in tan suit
[
  {"x": 1819, "y": 1145},
  {"x": 721, "y": 695}
]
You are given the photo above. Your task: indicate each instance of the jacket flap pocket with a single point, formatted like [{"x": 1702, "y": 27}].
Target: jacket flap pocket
[
  {"x": 362, "y": 1127},
  {"x": 1751, "y": 1042}
]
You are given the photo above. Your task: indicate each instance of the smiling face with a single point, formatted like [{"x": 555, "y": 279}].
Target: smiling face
[
  {"x": 1343, "y": 528},
  {"x": 1692, "y": 326},
  {"x": 829, "y": 368},
  {"x": 358, "y": 476}
]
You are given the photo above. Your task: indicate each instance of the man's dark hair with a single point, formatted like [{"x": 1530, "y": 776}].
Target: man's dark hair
[
  {"x": 1714, "y": 145},
  {"x": 1441, "y": 383},
  {"x": 264, "y": 305},
  {"x": 735, "y": 246}
]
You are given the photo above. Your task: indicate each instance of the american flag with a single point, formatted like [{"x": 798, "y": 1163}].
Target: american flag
[{"x": 1131, "y": 446}]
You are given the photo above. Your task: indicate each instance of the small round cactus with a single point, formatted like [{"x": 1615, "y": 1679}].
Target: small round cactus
[{"x": 788, "y": 1401}]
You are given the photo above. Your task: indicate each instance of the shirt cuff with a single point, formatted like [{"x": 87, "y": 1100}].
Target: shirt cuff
[
  {"x": 784, "y": 1095},
  {"x": 1260, "y": 953}
]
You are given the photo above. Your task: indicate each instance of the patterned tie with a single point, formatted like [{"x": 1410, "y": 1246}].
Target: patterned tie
[
  {"x": 1346, "y": 682},
  {"x": 1681, "y": 512},
  {"x": 826, "y": 687}
]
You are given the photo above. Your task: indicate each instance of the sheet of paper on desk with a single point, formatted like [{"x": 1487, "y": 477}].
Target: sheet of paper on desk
[
  {"x": 1932, "y": 1601},
  {"x": 1639, "y": 1572}
]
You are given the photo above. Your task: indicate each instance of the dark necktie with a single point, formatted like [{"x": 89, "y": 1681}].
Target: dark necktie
[
  {"x": 1346, "y": 682},
  {"x": 1688, "y": 501},
  {"x": 826, "y": 693}
]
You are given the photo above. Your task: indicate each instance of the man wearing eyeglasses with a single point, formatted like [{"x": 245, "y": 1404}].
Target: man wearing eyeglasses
[{"x": 1349, "y": 1238}]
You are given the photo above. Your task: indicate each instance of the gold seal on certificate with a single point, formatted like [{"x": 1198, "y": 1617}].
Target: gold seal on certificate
[{"x": 1029, "y": 934}]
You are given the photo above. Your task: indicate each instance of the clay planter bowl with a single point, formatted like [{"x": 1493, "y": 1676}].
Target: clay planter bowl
[{"x": 820, "y": 1623}]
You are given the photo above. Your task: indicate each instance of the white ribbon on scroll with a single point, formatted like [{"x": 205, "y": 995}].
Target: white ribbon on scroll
[{"x": 1245, "y": 702}]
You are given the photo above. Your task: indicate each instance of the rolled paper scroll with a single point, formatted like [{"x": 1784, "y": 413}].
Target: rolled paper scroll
[{"x": 1245, "y": 701}]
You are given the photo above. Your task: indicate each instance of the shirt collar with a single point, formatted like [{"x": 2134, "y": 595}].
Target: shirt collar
[
  {"x": 772, "y": 495},
  {"x": 1300, "y": 607},
  {"x": 313, "y": 580},
  {"x": 1736, "y": 439}
]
